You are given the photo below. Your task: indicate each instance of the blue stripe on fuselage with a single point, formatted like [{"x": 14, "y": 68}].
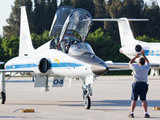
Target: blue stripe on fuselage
[
  {"x": 152, "y": 52},
  {"x": 65, "y": 65},
  {"x": 57, "y": 65},
  {"x": 20, "y": 66}
]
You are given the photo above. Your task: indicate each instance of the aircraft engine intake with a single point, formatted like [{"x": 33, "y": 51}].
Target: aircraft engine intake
[
  {"x": 138, "y": 48},
  {"x": 44, "y": 65}
]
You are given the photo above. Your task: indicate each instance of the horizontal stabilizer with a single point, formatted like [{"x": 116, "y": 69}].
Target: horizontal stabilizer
[
  {"x": 120, "y": 19},
  {"x": 1, "y": 63},
  {"x": 116, "y": 20}
]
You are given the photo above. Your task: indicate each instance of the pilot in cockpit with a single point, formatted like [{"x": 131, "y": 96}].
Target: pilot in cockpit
[
  {"x": 67, "y": 42},
  {"x": 64, "y": 45}
]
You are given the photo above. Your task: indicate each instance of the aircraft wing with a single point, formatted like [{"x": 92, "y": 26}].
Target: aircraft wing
[
  {"x": 115, "y": 66},
  {"x": 4, "y": 70},
  {"x": 155, "y": 65}
]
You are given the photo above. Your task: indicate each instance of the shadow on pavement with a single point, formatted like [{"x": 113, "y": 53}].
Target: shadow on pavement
[{"x": 102, "y": 103}]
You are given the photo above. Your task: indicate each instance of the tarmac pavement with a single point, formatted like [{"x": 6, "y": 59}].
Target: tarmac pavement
[{"x": 110, "y": 100}]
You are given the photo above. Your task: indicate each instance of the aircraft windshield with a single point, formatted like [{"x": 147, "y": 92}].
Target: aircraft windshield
[
  {"x": 80, "y": 48},
  {"x": 76, "y": 23},
  {"x": 60, "y": 17}
]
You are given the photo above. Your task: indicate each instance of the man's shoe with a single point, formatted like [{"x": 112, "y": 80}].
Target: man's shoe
[
  {"x": 146, "y": 116},
  {"x": 131, "y": 115}
]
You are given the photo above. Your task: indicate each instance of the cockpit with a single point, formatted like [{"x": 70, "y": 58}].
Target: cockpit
[
  {"x": 64, "y": 44},
  {"x": 70, "y": 29}
]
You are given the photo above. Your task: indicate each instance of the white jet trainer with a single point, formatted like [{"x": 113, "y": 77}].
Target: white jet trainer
[{"x": 65, "y": 56}]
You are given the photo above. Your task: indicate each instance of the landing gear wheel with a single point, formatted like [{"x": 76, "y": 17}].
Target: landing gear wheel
[
  {"x": 3, "y": 95},
  {"x": 87, "y": 102}
]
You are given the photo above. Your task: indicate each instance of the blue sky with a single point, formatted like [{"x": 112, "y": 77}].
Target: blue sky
[{"x": 5, "y": 9}]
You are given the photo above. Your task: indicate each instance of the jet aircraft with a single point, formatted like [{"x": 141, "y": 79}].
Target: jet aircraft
[
  {"x": 130, "y": 46},
  {"x": 66, "y": 56}
]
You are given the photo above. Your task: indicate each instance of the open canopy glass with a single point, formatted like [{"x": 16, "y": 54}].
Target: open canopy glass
[
  {"x": 59, "y": 19},
  {"x": 70, "y": 21}
]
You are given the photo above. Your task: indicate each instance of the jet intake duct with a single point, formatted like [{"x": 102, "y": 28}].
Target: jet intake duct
[
  {"x": 44, "y": 65},
  {"x": 138, "y": 48}
]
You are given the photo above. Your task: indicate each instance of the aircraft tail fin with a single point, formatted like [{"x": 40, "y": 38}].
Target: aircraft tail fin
[
  {"x": 25, "y": 45},
  {"x": 126, "y": 34}
]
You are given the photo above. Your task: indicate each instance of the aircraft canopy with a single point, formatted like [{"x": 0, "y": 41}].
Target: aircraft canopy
[
  {"x": 60, "y": 17},
  {"x": 71, "y": 22}
]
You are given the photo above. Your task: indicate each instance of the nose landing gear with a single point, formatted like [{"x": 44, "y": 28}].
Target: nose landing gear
[
  {"x": 87, "y": 92},
  {"x": 87, "y": 102}
]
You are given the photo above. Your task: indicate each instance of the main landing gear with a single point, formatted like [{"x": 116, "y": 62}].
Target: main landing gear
[
  {"x": 2, "y": 87},
  {"x": 3, "y": 97}
]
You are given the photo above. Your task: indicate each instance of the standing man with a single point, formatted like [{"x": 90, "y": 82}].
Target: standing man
[{"x": 139, "y": 86}]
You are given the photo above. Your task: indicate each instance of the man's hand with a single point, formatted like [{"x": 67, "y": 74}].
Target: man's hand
[
  {"x": 144, "y": 56},
  {"x": 137, "y": 56},
  {"x": 142, "y": 52},
  {"x": 133, "y": 59}
]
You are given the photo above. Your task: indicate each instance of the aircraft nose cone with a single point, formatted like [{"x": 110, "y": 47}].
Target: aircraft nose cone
[{"x": 99, "y": 68}]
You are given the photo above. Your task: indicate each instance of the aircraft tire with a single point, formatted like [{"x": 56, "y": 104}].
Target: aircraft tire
[
  {"x": 87, "y": 102},
  {"x": 3, "y": 95}
]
